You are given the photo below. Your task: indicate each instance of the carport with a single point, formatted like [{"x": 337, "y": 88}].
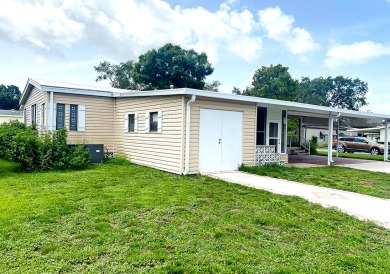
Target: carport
[{"x": 331, "y": 114}]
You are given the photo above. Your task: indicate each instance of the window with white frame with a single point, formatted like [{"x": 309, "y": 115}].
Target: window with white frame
[
  {"x": 33, "y": 114},
  {"x": 73, "y": 117},
  {"x": 131, "y": 122},
  {"x": 153, "y": 121},
  {"x": 76, "y": 117},
  {"x": 43, "y": 116}
]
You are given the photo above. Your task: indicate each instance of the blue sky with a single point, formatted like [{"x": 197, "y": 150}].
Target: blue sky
[{"x": 62, "y": 40}]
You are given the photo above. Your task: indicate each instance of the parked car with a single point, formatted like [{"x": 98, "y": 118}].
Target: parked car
[{"x": 359, "y": 144}]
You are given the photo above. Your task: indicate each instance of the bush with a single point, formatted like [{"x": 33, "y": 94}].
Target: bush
[
  {"x": 22, "y": 145},
  {"x": 313, "y": 145}
]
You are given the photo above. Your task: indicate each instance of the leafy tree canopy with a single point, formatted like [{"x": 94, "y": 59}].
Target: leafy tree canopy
[
  {"x": 341, "y": 92},
  {"x": 273, "y": 82},
  {"x": 213, "y": 86},
  {"x": 167, "y": 67},
  {"x": 9, "y": 97}
]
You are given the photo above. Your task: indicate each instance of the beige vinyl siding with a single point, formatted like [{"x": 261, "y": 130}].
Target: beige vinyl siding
[
  {"x": 249, "y": 128},
  {"x": 99, "y": 119},
  {"x": 7, "y": 119},
  {"x": 37, "y": 97},
  {"x": 162, "y": 150}
]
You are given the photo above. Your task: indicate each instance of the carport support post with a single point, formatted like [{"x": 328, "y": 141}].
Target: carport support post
[
  {"x": 330, "y": 139},
  {"x": 386, "y": 152}
]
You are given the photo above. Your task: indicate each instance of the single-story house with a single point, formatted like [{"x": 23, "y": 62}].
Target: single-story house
[
  {"x": 10, "y": 115},
  {"x": 374, "y": 133},
  {"x": 183, "y": 131}
]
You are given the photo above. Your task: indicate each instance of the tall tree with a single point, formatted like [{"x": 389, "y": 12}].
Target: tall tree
[
  {"x": 212, "y": 86},
  {"x": 341, "y": 92},
  {"x": 9, "y": 97},
  {"x": 167, "y": 67},
  {"x": 273, "y": 82}
]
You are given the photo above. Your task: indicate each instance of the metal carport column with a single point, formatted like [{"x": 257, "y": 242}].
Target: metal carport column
[
  {"x": 386, "y": 152},
  {"x": 330, "y": 139}
]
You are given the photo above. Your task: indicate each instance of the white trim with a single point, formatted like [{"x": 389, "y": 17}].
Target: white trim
[
  {"x": 147, "y": 120},
  {"x": 135, "y": 122},
  {"x": 159, "y": 121},
  {"x": 188, "y": 133},
  {"x": 50, "y": 125},
  {"x": 127, "y": 122},
  {"x": 111, "y": 92},
  {"x": 80, "y": 118}
]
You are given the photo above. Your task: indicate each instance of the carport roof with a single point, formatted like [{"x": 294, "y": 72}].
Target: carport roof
[{"x": 293, "y": 108}]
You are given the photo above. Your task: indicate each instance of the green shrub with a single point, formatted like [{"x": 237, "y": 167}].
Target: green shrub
[
  {"x": 79, "y": 158},
  {"x": 7, "y": 132},
  {"x": 25, "y": 147},
  {"x": 22, "y": 145},
  {"x": 313, "y": 145}
]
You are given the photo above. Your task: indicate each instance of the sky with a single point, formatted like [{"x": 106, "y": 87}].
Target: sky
[{"x": 62, "y": 40}]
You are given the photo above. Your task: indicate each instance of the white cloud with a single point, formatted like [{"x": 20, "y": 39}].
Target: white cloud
[
  {"x": 279, "y": 27},
  {"x": 356, "y": 53},
  {"x": 126, "y": 29}
]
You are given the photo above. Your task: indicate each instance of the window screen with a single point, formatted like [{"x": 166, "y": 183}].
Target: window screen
[
  {"x": 131, "y": 121},
  {"x": 34, "y": 114},
  {"x": 153, "y": 121},
  {"x": 60, "y": 120},
  {"x": 261, "y": 125},
  {"x": 73, "y": 117}
]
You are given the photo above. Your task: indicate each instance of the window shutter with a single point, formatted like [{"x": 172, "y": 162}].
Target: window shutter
[
  {"x": 147, "y": 118},
  {"x": 81, "y": 118},
  {"x": 54, "y": 124},
  {"x": 136, "y": 122},
  {"x": 159, "y": 121},
  {"x": 39, "y": 122},
  {"x": 126, "y": 122}
]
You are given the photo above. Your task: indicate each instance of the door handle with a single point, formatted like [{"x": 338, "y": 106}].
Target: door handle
[{"x": 219, "y": 141}]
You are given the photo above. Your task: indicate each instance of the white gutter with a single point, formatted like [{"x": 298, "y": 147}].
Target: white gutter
[
  {"x": 188, "y": 126},
  {"x": 51, "y": 112}
]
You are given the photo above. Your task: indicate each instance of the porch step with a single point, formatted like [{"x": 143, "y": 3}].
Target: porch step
[{"x": 296, "y": 151}]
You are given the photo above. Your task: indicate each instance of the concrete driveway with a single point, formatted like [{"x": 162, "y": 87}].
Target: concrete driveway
[
  {"x": 361, "y": 206},
  {"x": 315, "y": 160}
]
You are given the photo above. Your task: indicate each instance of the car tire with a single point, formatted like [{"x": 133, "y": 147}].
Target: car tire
[
  {"x": 342, "y": 149},
  {"x": 375, "y": 151}
]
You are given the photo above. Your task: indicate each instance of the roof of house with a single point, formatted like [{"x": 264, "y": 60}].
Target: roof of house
[
  {"x": 367, "y": 130},
  {"x": 293, "y": 108},
  {"x": 6, "y": 112}
]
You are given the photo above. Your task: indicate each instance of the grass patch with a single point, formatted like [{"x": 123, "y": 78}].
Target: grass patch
[
  {"x": 130, "y": 219},
  {"x": 365, "y": 182},
  {"x": 354, "y": 155}
]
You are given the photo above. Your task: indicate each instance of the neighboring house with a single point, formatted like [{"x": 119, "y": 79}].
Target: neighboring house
[
  {"x": 376, "y": 133},
  {"x": 10, "y": 115},
  {"x": 178, "y": 130}
]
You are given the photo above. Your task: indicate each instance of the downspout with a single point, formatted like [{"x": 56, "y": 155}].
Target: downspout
[
  {"x": 188, "y": 126},
  {"x": 51, "y": 113}
]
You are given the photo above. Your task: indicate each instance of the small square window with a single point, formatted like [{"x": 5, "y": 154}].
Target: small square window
[
  {"x": 131, "y": 120},
  {"x": 153, "y": 121}
]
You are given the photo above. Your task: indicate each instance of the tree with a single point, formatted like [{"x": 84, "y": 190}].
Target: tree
[
  {"x": 167, "y": 67},
  {"x": 273, "y": 82},
  {"x": 236, "y": 91},
  {"x": 213, "y": 86},
  {"x": 9, "y": 97},
  {"x": 341, "y": 92}
]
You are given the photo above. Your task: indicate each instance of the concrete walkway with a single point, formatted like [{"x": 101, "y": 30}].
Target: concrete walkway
[{"x": 361, "y": 206}]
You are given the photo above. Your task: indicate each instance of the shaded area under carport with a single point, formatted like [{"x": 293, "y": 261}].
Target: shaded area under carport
[{"x": 316, "y": 160}]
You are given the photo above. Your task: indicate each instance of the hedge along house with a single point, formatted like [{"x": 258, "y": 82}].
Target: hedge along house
[{"x": 183, "y": 131}]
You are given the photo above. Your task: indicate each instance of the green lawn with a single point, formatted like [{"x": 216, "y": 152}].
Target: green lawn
[
  {"x": 132, "y": 219},
  {"x": 355, "y": 180},
  {"x": 364, "y": 156}
]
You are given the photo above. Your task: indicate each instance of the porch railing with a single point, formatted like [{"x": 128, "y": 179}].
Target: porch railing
[
  {"x": 298, "y": 141},
  {"x": 267, "y": 155}
]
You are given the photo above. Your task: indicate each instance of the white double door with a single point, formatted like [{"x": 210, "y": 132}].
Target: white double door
[{"x": 220, "y": 140}]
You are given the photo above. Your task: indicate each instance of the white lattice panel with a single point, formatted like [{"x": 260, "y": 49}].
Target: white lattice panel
[{"x": 267, "y": 155}]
